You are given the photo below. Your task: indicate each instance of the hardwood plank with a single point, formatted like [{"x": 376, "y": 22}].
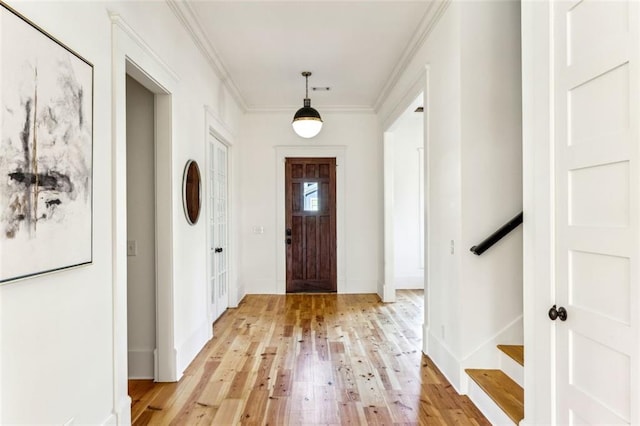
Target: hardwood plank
[
  {"x": 377, "y": 415},
  {"x": 504, "y": 391},
  {"x": 351, "y": 414},
  {"x": 310, "y": 359},
  {"x": 142, "y": 392},
  {"x": 516, "y": 352},
  {"x": 229, "y": 412},
  {"x": 277, "y": 411}
]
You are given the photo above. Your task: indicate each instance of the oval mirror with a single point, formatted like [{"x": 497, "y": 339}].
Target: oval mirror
[{"x": 191, "y": 191}]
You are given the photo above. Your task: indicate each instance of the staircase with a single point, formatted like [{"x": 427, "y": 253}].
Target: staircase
[{"x": 499, "y": 394}]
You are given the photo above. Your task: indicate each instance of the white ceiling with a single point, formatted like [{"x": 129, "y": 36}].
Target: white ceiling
[{"x": 262, "y": 46}]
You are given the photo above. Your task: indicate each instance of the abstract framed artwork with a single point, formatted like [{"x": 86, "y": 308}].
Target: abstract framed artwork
[{"x": 46, "y": 152}]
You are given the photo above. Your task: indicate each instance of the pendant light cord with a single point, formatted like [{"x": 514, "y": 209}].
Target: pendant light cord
[{"x": 306, "y": 78}]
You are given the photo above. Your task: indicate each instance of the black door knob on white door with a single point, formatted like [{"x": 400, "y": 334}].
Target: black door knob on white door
[
  {"x": 555, "y": 313},
  {"x": 218, "y": 250}
]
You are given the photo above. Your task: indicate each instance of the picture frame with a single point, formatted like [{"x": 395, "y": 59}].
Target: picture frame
[
  {"x": 46, "y": 152},
  {"x": 191, "y": 192}
]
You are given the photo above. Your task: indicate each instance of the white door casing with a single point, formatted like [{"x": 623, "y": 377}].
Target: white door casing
[
  {"x": 595, "y": 89},
  {"x": 131, "y": 55}
]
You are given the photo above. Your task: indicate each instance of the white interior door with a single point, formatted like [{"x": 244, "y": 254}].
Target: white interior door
[
  {"x": 218, "y": 228},
  {"x": 596, "y": 114}
]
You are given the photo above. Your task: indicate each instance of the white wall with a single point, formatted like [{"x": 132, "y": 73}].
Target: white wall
[
  {"x": 359, "y": 132},
  {"x": 57, "y": 330},
  {"x": 408, "y": 135},
  {"x": 473, "y": 178},
  {"x": 141, "y": 266},
  {"x": 441, "y": 54},
  {"x": 491, "y": 171}
]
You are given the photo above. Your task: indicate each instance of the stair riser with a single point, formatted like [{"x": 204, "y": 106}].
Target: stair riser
[
  {"x": 512, "y": 369},
  {"x": 487, "y": 406}
]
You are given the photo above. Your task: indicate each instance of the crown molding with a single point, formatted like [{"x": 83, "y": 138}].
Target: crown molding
[
  {"x": 188, "y": 18},
  {"x": 431, "y": 18}
]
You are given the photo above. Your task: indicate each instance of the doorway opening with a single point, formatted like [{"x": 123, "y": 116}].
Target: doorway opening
[
  {"x": 164, "y": 358},
  {"x": 404, "y": 201},
  {"x": 141, "y": 232}
]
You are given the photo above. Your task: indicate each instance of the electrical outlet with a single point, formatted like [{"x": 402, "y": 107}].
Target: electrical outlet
[
  {"x": 132, "y": 248},
  {"x": 452, "y": 247},
  {"x": 258, "y": 229},
  {"x": 443, "y": 333}
]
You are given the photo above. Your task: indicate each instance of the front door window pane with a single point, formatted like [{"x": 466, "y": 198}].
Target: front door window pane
[{"x": 311, "y": 200}]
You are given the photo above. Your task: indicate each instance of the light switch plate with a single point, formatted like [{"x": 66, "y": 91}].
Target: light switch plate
[{"x": 132, "y": 248}]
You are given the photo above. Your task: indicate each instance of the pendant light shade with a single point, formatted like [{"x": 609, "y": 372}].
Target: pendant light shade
[{"x": 307, "y": 121}]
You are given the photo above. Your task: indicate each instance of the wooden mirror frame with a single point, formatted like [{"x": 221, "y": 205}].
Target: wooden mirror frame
[{"x": 192, "y": 191}]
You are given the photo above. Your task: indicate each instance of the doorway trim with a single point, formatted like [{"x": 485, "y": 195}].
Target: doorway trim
[
  {"x": 539, "y": 207},
  {"x": 332, "y": 151},
  {"x": 132, "y": 56},
  {"x": 388, "y": 290},
  {"x": 216, "y": 128}
]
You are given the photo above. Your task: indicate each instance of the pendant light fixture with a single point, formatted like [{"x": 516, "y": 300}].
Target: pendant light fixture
[{"x": 307, "y": 122}]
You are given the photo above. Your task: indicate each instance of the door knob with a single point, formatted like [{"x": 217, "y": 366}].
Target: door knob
[
  {"x": 288, "y": 232},
  {"x": 288, "y": 240},
  {"x": 218, "y": 250},
  {"x": 560, "y": 312}
]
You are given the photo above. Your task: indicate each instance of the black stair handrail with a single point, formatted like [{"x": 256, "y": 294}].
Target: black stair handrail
[{"x": 498, "y": 235}]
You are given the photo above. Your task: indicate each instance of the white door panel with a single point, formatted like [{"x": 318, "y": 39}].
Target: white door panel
[
  {"x": 217, "y": 228},
  {"x": 595, "y": 111}
]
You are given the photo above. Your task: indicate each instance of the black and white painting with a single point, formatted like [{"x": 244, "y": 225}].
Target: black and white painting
[{"x": 46, "y": 114}]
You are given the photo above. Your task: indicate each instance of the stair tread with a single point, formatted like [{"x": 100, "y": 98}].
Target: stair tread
[
  {"x": 516, "y": 352},
  {"x": 502, "y": 390}
]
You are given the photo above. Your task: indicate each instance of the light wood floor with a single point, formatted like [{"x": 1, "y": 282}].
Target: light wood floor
[{"x": 310, "y": 359}]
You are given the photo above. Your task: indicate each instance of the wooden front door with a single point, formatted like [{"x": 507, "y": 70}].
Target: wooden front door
[{"x": 311, "y": 224}]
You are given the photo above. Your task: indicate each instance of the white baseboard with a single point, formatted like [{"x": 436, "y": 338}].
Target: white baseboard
[
  {"x": 241, "y": 295},
  {"x": 121, "y": 414},
  {"x": 265, "y": 286},
  {"x": 487, "y": 355},
  {"x": 445, "y": 360},
  {"x": 192, "y": 346},
  {"x": 425, "y": 339},
  {"x": 409, "y": 283},
  {"x": 344, "y": 287},
  {"x": 110, "y": 421},
  {"x": 388, "y": 293},
  {"x": 141, "y": 363},
  {"x": 358, "y": 287}
]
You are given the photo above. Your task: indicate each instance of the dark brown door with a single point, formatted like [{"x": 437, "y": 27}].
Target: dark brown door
[{"x": 311, "y": 224}]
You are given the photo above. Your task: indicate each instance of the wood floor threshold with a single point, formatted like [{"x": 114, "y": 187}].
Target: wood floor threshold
[
  {"x": 515, "y": 352},
  {"x": 310, "y": 359},
  {"x": 506, "y": 393}
]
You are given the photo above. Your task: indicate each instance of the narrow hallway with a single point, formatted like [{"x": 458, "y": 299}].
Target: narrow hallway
[{"x": 310, "y": 359}]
